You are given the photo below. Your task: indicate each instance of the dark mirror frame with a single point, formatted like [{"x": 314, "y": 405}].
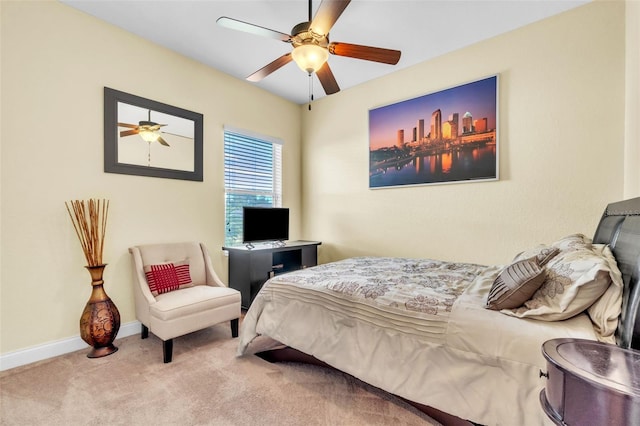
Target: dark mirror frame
[{"x": 111, "y": 164}]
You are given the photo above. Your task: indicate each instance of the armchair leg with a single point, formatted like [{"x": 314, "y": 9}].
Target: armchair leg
[
  {"x": 144, "y": 333},
  {"x": 167, "y": 350},
  {"x": 234, "y": 327}
]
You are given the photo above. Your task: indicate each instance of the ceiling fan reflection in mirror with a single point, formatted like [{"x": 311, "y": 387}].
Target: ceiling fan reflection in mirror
[
  {"x": 311, "y": 45},
  {"x": 149, "y": 131}
]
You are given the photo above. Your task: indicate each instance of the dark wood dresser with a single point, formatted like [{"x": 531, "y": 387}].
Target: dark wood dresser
[
  {"x": 250, "y": 268},
  {"x": 591, "y": 383}
]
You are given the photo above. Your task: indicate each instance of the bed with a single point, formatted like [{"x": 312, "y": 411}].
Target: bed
[{"x": 460, "y": 341}]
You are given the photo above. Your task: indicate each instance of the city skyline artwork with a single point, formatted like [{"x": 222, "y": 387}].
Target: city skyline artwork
[{"x": 441, "y": 137}]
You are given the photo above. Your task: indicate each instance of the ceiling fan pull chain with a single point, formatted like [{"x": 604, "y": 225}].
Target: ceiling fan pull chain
[{"x": 310, "y": 90}]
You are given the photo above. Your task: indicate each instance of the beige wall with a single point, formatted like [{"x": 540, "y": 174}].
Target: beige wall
[
  {"x": 561, "y": 148},
  {"x": 55, "y": 63},
  {"x": 632, "y": 101}
]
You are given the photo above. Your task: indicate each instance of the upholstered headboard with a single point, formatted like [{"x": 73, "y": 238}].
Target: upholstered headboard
[{"x": 620, "y": 228}]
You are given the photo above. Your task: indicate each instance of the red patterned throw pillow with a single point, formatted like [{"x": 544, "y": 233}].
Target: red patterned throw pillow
[{"x": 167, "y": 277}]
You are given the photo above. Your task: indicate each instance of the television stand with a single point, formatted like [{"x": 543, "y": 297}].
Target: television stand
[{"x": 250, "y": 268}]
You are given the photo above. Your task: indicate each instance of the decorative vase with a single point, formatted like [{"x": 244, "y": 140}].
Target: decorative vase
[{"x": 100, "y": 320}]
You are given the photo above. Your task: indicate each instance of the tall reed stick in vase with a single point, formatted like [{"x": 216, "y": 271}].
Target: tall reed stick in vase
[{"x": 89, "y": 219}]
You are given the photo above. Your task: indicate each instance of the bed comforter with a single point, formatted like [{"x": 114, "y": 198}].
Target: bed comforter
[{"x": 416, "y": 328}]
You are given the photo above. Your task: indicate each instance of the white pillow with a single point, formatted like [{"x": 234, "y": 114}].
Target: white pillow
[
  {"x": 576, "y": 278},
  {"x": 605, "y": 312}
]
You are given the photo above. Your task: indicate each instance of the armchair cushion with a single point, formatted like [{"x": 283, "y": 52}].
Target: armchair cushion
[
  {"x": 166, "y": 277},
  {"x": 189, "y": 301}
]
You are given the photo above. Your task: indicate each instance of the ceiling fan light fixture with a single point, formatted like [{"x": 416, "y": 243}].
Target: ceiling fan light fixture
[
  {"x": 149, "y": 135},
  {"x": 310, "y": 57}
]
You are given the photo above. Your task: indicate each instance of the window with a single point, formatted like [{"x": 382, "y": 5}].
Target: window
[{"x": 252, "y": 177}]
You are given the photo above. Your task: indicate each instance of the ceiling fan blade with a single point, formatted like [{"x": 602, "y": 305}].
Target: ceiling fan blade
[
  {"x": 328, "y": 13},
  {"x": 376, "y": 54},
  {"x": 268, "y": 69},
  {"x": 131, "y": 126},
  {"x": 128, "y": 133},
  {"x": 175, "y": 134},
  {"x": 162, "y": 141},
  {"x": 328, "y": 81},
  {"x": 234, "y": 24}
]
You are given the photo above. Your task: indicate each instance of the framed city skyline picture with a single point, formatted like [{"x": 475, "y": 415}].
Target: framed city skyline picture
[{"x": 443, "y": 137}]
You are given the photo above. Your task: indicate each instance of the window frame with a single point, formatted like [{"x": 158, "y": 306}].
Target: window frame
[{"x": 276, "y": 179}]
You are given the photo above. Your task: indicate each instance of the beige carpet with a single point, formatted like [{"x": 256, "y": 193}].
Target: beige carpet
[{"x": 204, "y": 385}]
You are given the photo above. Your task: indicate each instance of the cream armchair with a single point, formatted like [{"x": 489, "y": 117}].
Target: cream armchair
[{"x": 175, "y": 313}]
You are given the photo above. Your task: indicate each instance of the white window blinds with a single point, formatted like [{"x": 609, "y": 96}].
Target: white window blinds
[{"x": 252, "y": 176}]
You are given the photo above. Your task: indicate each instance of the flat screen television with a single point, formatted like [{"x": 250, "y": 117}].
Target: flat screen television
[{"x": 261, "y": 224}]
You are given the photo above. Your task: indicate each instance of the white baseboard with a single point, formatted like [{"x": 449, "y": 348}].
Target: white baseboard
[{"x": 59, "y": 347}]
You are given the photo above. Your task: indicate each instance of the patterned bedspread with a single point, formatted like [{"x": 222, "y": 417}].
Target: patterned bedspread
[
  {"x": 416, "y": 328},
  {"x": 409, "y": 295}
]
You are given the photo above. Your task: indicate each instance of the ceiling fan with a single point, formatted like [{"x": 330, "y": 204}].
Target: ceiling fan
[
  {"x": 311, "y": 45},
  {"x": 148, "y": 130}
]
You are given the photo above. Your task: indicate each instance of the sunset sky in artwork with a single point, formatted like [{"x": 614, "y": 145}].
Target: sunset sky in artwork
[{"x": 479, "y": 98}]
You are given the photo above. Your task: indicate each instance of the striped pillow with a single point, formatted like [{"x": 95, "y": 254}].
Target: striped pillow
[
  {"x": 516, "y": 284},
  {"x": 167, "y": 277}
]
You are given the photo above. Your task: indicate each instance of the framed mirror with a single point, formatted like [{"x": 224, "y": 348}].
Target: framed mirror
[{"x": 148, "y": 138}]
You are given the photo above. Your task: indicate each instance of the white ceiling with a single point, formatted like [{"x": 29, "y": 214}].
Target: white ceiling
[{"x": 420, "y": 29}]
